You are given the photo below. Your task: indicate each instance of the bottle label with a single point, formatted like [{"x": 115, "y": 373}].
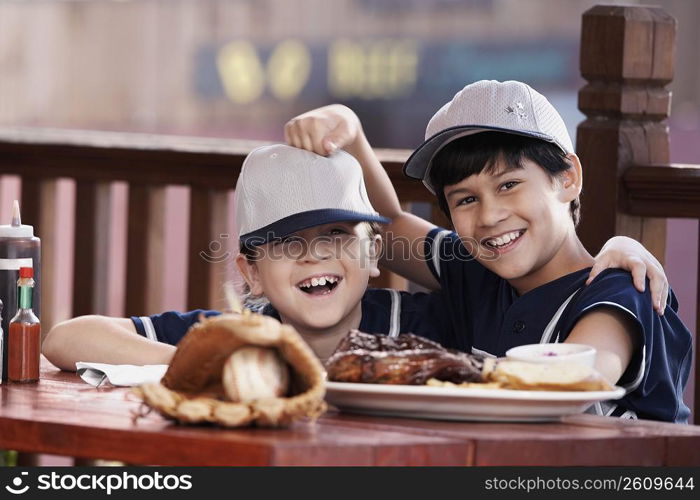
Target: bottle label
[
  {"x": 15, "y": 264},
  {"x": 25, "y": 297}
]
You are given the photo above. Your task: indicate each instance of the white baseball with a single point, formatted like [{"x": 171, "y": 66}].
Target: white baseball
[{"x": 255, "y": 373}]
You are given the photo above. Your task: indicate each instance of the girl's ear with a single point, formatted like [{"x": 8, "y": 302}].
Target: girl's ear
[
  {"x": 375, "y": 250},
  {"x": 571, "y": 179},
  {"x": 250, "y": 273}
]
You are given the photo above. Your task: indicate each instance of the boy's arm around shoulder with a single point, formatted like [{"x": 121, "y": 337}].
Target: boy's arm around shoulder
[
  {"x": 326, "y": 129},
  {"x": 630, "y": 255},
  {"x": 101, "y": 339}
]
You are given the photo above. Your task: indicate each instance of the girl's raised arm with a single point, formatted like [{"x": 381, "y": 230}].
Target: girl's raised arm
[{"x": 326, "y": 129}]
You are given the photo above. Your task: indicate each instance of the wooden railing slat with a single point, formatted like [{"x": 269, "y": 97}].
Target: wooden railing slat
[
  {"x": 155, "y": 250},
  {"x": 91, "y": 248},
  {"x": 136, "y": 254},
  {"x": 46, "y": 274},
  {"x": 31, "y": 202},
  {"x": 84, "y": 249},
  {"x": 144, "y": 260},
  {"x": 104, "y": 246},
  {"x": 209, "y": 244}
]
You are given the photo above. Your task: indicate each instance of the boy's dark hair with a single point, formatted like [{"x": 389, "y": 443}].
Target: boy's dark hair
[{"x": 473, "y": 154}]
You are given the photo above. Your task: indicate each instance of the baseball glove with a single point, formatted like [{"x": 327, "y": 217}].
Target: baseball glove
[{"x": 196, "y": 386}]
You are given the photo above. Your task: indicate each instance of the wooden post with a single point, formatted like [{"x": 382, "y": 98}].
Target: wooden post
[{"x": 627, "y": 56}]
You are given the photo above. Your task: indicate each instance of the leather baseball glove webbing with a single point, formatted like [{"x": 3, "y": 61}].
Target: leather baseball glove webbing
[{"x": 192, "y": 392}]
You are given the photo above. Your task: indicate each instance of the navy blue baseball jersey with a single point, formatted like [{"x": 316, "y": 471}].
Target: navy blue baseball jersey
[
  {"x": 383, "y": 312},
  {"x": 487, "y": 316}
]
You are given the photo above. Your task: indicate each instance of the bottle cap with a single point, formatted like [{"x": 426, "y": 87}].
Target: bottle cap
[
  {"x": 26, "y": 272},
  {"x": 16, "y": 229}
]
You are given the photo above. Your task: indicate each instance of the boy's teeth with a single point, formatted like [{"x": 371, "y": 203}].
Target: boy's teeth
[
  {"x": 504, "y": 240},
  {"x": 322, "y": 281},
  {"x": 314, "y": 282}
]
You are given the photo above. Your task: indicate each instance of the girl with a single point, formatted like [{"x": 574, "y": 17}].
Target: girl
[{"x": 309, "y": 244}]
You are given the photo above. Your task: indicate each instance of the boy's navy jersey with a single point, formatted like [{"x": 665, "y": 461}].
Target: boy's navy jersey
[
  {"x": 383, "y": 311},
  {"x": 488, "y": 317}
]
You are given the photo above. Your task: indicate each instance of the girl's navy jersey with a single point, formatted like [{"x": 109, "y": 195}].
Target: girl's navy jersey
[
  {"x": 383, "y": 312},
  {"x": 487, "y": 316}
]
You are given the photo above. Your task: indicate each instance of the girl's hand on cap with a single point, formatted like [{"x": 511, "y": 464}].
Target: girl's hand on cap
[
  {"x": 628, "y": 254},
  {"x": 323, "y": 130}
]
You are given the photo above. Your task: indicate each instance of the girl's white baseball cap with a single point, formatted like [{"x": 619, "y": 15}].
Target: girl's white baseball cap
[{"x": 282, "y": 190}]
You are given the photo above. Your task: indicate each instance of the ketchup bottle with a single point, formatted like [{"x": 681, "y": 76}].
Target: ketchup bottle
[{"x": 25, "y": 333}]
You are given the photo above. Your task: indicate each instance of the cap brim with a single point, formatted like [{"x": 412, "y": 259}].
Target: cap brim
[
  {"x": 418, "y": 164},
  {"x": 304, "y": 220}
]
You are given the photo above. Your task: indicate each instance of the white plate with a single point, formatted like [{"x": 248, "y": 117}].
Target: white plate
[{"x": 454, "y": 403}]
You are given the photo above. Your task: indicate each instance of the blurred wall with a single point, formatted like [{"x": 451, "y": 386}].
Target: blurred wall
[{"x": 242, "y": 68}]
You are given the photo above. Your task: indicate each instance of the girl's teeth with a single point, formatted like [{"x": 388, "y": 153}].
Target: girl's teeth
[{"x": 323, "y": 280}]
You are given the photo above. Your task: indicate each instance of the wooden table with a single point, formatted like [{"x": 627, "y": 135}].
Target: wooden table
[{"x": 63, "y": 415}]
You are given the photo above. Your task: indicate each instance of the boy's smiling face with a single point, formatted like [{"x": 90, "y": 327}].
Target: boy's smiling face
[
  {"x": 316, "y": 278},
  {"x": 516, "y": 221}
]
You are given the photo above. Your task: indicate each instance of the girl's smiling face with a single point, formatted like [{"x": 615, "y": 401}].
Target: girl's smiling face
[
  {"x": 515, "y": 220},
  {"x": 316, "y": 278}
]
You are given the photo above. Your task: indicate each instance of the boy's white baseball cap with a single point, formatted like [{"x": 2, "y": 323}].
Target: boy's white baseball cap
[
  {"x": 282, "y": 190},
  {"x": 488, "y": 106}
]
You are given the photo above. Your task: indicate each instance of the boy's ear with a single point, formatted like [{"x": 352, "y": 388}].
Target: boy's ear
[
  {"x": 571, "y": 179},
  {"x": 375, "y": 250},
  {"x": 250, "y": 274}
]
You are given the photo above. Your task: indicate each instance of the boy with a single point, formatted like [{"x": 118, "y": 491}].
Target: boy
[
  {"x": 500, "y": 160},
  {"x": 309, "y": 245}
]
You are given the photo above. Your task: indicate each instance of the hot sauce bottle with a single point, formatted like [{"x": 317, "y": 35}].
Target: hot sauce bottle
[{"x": 25, "y": 333}]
